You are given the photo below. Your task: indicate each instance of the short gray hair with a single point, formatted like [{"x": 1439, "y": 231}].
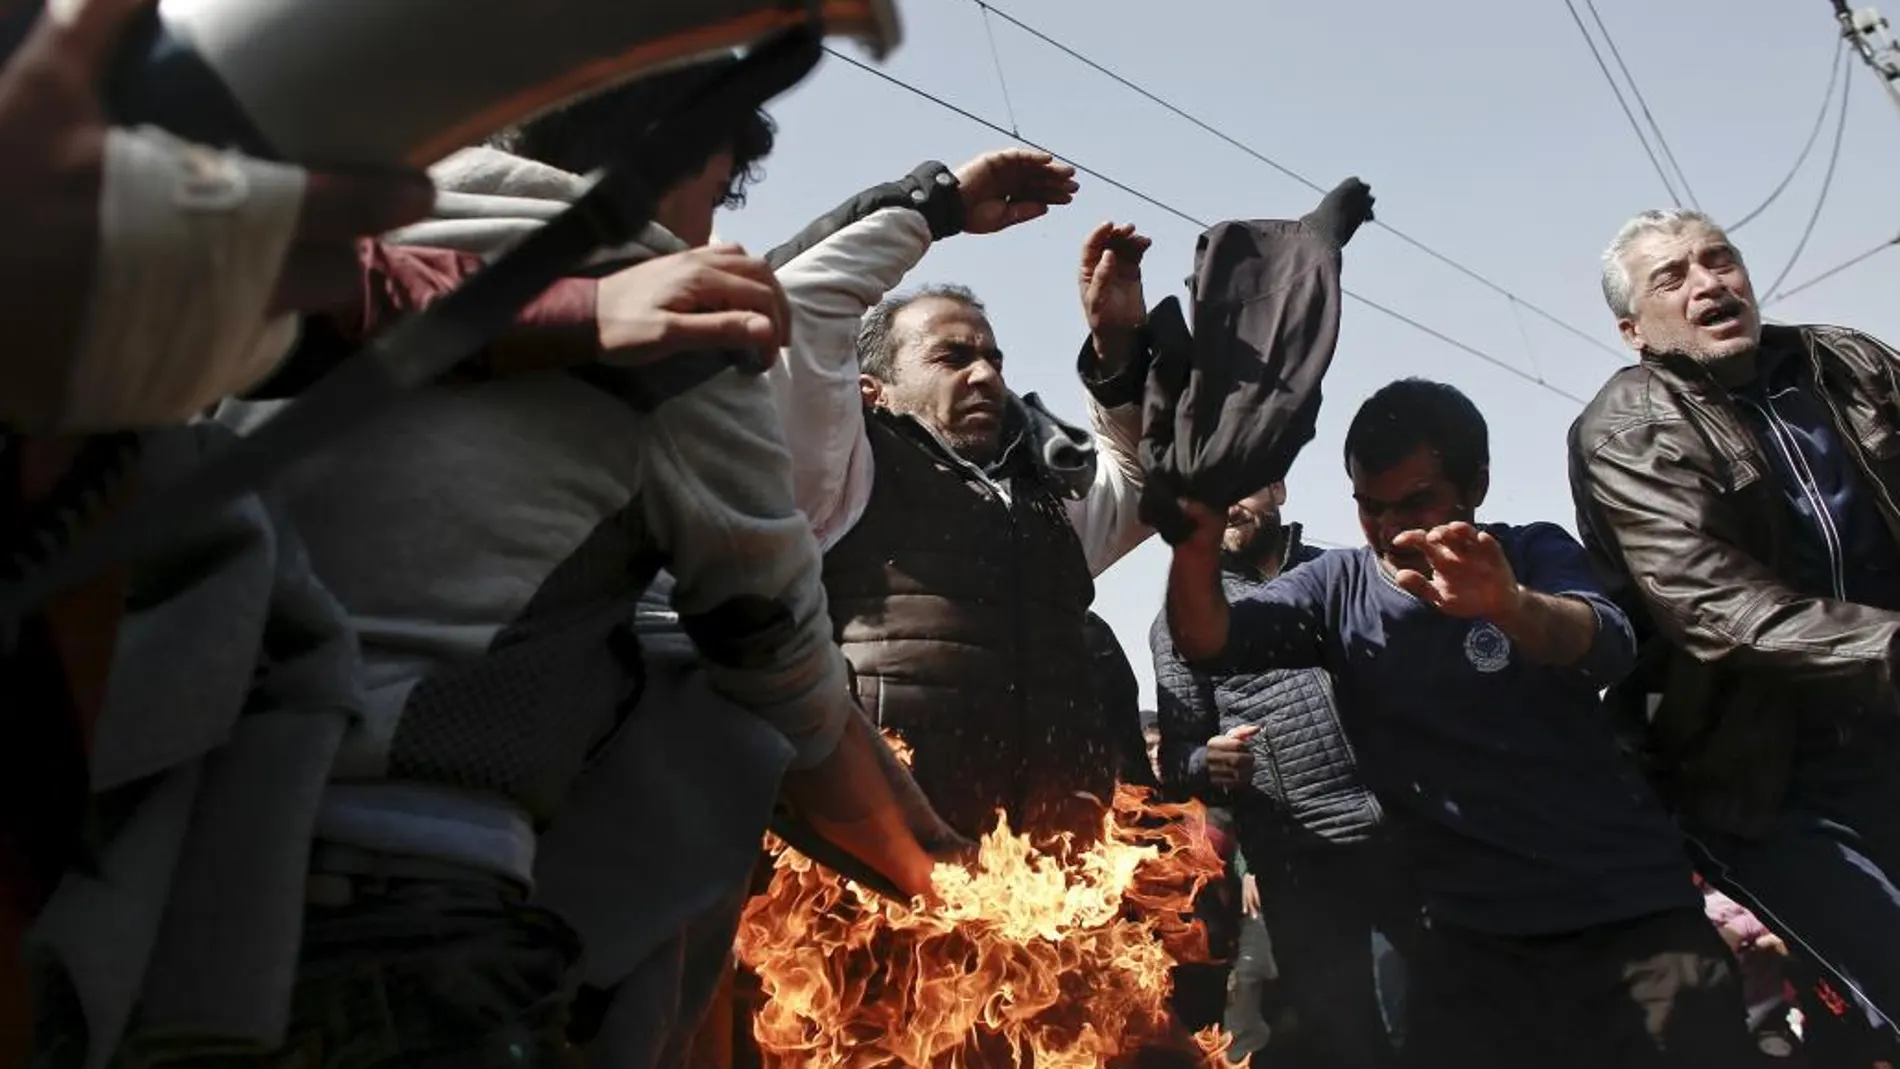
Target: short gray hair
[
  {"x": 1617, "y": 288},
  {"x": 878, "y": 342}
]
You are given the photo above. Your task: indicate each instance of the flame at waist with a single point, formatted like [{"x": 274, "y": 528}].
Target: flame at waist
[{"x": 1055, "y": 958}]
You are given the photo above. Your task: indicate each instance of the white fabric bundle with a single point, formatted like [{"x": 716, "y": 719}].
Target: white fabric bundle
[{"x": 191, "y": 243}]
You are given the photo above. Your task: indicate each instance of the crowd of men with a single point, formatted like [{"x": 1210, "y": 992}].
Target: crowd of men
[{"x": 341, "y": 775}]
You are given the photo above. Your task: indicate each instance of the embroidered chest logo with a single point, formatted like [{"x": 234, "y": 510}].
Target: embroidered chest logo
[{"x": 1486, "y": 648}]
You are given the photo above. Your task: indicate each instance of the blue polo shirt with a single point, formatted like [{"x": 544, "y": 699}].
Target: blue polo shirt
[{"x": 1519, "y": 812}]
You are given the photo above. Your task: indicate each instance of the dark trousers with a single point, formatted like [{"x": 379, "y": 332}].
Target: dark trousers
[
  {"x": 652, "y": 1019},
  {"x": 1319, "y": 909},
  {"x": 414, "y": 974},
  {"x": 1659, "y": 991},
  {"x": 1826, "y": 878}
]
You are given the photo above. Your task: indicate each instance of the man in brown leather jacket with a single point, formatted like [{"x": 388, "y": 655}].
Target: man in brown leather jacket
[{"x": 1740, "y": 481}]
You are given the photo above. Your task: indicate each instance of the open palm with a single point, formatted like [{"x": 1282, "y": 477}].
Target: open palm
[{"x": 1010, "y": 186}]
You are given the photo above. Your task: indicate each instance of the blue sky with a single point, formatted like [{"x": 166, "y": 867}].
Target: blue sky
[{"x": 1485, "y": 129}]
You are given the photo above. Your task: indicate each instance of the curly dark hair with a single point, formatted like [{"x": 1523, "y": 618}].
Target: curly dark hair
[{"x": 590, "y": 133}]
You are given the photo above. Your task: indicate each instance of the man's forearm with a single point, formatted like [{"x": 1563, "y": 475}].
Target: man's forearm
[
  {"x": 1108, "y": 520},
  {"x": 1197, "y": 607},
  {"x": 832, "y": 274},
  {"x": 849, "y": 799},
  {"x": 1551, "y": 630},
  {"x": 1115, "y": 349}
]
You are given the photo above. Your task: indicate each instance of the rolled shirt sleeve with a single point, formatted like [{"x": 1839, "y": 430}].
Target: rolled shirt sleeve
[{"x": 1551, "y": 562}]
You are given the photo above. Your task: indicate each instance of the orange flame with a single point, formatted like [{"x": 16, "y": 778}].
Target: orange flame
[
  {"x": 1058, "y": 960},
  {"x": 1213, "y": 1044}
]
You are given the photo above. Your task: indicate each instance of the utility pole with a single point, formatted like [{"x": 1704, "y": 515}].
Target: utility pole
[{"x": 1867, "y": 30}]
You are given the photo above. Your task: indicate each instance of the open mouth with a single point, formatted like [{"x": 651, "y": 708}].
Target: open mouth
[{"x": 1721, "y": 314}]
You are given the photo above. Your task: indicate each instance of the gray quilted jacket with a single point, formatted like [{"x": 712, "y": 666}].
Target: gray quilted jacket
[{"x": 1306, "y": 780}]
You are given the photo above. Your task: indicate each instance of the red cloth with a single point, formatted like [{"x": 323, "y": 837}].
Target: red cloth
[
  {"x": 1223, "y": 843},
  {"x": 558, "y": 329}
]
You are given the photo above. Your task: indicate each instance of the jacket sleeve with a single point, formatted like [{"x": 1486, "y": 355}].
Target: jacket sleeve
[
  {"x": 1645, "y": 502},
  {"x": 833, "y": 272},
  {"x": 1186, "y": 714},
  {"x": 1108, "y": 519}
]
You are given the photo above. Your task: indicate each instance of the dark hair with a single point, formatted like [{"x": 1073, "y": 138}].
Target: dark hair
[
  {"x": 878, "y": 341},
  {"x": 592, "y": 132},
  {"x": 1409, "y": 413}
]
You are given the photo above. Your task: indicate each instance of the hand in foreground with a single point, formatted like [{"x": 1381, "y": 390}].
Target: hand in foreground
[
  {"x": 853, "y": 801},
  {"x": 1250, "y": 895},
  {"x": 712, "y": 298},
  {"x": 1112, "y": 301},
  {"x": 1010, "y": 186},
  {"x": 1471, "y": 578},
  {"x": 1230, "y": 757}
]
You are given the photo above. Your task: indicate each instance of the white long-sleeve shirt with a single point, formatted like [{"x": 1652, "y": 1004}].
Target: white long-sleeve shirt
[{"x": 831, "y": 284}]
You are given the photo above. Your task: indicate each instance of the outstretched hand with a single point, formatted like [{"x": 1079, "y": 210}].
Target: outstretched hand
[
  {"x": 1010, "y": 186},
  {"x": 1471, "y": 577},
  {"x": 1112, "y": 300}
]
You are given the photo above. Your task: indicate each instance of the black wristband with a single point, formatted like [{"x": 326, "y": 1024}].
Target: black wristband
[{"x": 933, "y": 190}]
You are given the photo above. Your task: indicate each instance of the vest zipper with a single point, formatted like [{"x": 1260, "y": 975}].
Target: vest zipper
[
  {"x": 944, "y": 450},
  {"x": 1019, "y": 792}
]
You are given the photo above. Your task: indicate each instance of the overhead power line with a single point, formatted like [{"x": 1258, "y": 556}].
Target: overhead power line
[
  {"x": 1233, "y": 142},
  {"x": 1635, "y": 127},
  {"x": 996, "y": 58},
  {"x": 1820, "y": 119},
  {"x": 1636, "y": 90},
  {"x": 1192, "y": 219},
  {"x": 1832, "y": 271},
  {"x": 1827, "y": 184}
]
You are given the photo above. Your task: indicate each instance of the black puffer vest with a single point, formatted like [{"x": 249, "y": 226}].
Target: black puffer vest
[{"x": 961, "y": 612}]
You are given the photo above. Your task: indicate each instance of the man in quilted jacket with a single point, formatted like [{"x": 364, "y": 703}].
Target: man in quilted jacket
[{"x": 1269, "y": 744}]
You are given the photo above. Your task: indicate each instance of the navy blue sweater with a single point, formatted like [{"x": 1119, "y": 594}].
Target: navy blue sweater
[{"x": 1518, "y": 812}]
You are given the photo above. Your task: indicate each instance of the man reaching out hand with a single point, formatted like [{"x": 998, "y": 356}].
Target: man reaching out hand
[{"x": 1562, "y": 925}]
